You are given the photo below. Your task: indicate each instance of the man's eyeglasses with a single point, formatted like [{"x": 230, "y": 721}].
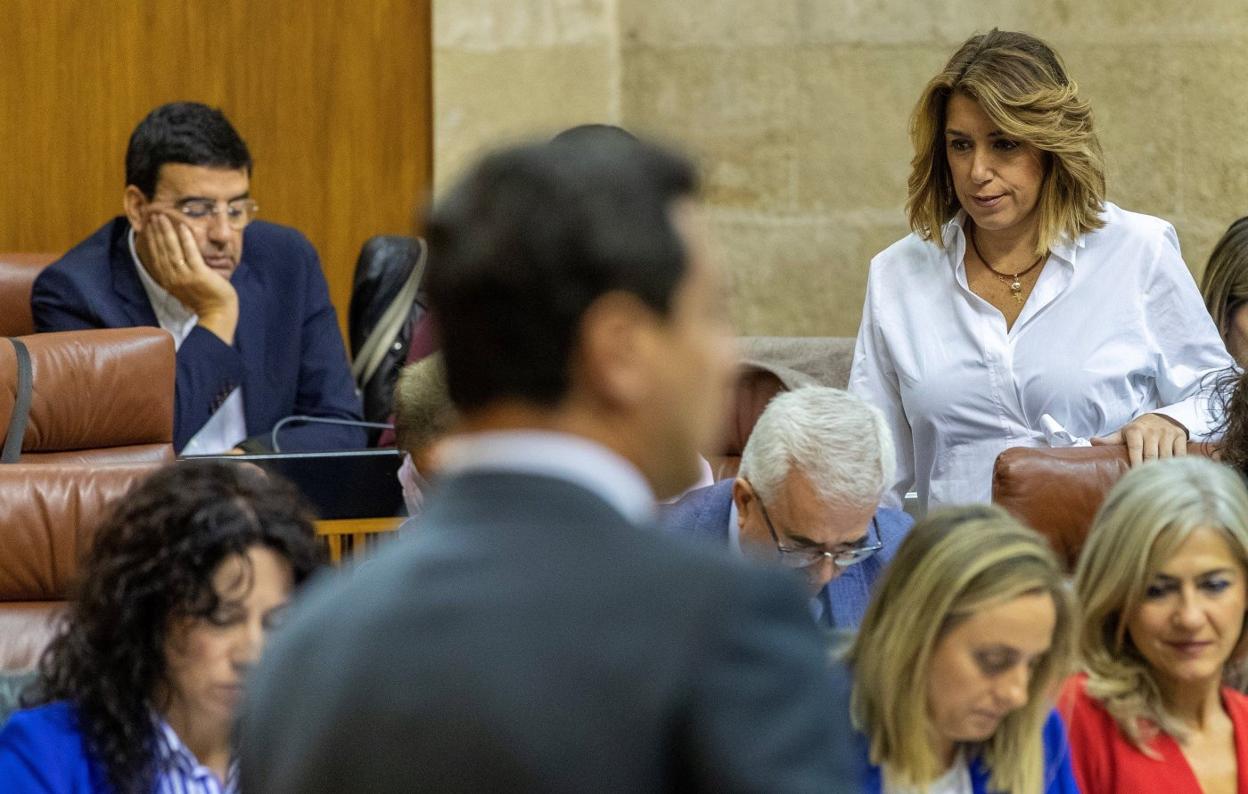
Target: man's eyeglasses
[
  {"x": 792, "y": 557},
  {"x": 238, "y": 213}
]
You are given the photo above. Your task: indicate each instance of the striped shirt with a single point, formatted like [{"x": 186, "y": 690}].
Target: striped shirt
[{"x": 179, "y": 771}]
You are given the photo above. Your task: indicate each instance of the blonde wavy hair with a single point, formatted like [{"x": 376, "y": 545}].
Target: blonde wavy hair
[
  {"x": 423, "y": 411},
  {"x": 1021, "y": 84},
  {"x": 954, "y": 563},
  {"x": 1146, "y": 517}
]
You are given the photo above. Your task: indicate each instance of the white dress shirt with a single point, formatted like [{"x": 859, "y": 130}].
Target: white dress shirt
[
  {"x": 226, "y": 428},
  {"x": 560, "y": 455},
  {"x": 1114, "y": 328}
]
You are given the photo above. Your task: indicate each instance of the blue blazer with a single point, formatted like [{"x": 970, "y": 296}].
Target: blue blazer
[
  {"x": 704, "y": 513},
  {"x": 287, "y": 353},
  {"x": 1059, "y": 776},
  {"x": 42, "y": 752}
]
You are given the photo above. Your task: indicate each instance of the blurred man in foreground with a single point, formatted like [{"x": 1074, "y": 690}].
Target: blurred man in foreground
[{"x": 539, "y": 633}]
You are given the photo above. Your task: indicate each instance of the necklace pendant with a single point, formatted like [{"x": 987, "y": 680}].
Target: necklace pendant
[{"x": 1016, "y": 287}]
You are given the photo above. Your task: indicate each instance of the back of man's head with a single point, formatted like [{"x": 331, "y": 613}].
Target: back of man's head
[
  {"x": 840, "y": 443},
  {"x": 592, "y": 132},
  {"x": 182, "y": 132},
  {"x": 523, "y": 245}
]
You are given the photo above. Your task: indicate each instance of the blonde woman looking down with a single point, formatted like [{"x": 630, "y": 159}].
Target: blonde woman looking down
[
  {"x": 1162, "y": 583},
  {"x": 968, "y": 632},
  {"x": 1024, "y": 309}
]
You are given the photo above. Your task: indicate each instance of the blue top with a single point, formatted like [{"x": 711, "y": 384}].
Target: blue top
[
  {"x": 1058, "y": 775},
  {"x": 706, "y": 513},
  {"x": 42, "y": 752}
]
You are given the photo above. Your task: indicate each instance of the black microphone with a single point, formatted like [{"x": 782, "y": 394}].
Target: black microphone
[{"x": 323, "y": 420}]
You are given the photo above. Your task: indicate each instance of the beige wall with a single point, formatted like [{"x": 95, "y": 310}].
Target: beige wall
[
  {"x": 512, "y": 69},
  {"x": 797, "y": 110}
]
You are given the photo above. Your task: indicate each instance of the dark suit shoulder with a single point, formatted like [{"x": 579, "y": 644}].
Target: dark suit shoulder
[
  {"x": 91, "y": 258},
  {"x": 77, "y": 290},
  {"x": 703, "y": 512},
  {"x": 275, "y": 242},
  {"x": 528, "y": 607},
  {"x": 539, "y": 539}
]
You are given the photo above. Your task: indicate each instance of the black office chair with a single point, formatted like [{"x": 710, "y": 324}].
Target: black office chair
[{"x": 386, "y": 302}]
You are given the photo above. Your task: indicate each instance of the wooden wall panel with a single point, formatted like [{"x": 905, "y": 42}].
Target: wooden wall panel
[{"x": 333, "y": 98}]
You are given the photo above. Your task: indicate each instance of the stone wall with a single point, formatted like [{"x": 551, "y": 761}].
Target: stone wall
[
  {"x": 513, "y": 69},
  {"x": 798, "y": 111}
]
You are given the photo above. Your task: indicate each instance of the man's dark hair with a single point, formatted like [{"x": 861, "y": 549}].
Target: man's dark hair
[
  {"x": 522, "y": 245},
  {"x": 182, "y": 132},
  {"x": 592, "y": 132}
]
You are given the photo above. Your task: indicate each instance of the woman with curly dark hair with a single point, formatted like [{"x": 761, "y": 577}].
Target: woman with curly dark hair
[{"x": 183, "y": 581}]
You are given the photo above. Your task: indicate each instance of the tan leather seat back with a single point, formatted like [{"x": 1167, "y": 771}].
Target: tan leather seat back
[
  {"x": 1058, "y": 491},
  {"x": 48, "y": 517},
  {"x": 17, "y": 277},
  {"x": 103, "y": 396},
  {"x": 754, "y": 389}
]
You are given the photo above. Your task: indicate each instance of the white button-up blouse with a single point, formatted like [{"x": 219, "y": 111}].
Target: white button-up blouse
[{"x": 1114, "y": 328}]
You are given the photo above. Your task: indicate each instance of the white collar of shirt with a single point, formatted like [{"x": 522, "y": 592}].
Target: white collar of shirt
[
  {"x": 560, "y": 455},
  {"x": 955, "y": 780},
  {"x": 734, "y": 528},
  {"x": 180, "y": 771},
  {"x": 172, "y": 315},
  {"x": 954, "y": 235}
]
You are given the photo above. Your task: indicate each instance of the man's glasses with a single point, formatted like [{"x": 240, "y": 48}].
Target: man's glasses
[
  {"x": 238, "y": 213},
  {"x": 791, "y": 557}
]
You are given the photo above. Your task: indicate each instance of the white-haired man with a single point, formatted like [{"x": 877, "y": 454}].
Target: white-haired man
[{"x": 807, "y": 496}]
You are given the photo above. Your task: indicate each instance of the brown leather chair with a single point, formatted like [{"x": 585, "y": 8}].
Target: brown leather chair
[
  {"x": 754, "y": 389},
  {"x": 17, "y": 276},
  {"x": 1058, "y": 491},
  {"x": 48, "y": 515},
  {"x": 770, "y": 365},
  {"x": 100, "y": 396}
]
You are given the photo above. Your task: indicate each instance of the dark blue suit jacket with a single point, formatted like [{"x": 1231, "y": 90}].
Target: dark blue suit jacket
[
  {"x": 41, "y": 750},
  {"x": 704, "y": 513},
  {"x": 555, "y": 646},
  {"x": 287, "y": 352}
]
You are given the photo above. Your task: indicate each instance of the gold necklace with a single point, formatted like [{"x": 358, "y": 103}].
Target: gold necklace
[{"x": 1016, "y": 286}]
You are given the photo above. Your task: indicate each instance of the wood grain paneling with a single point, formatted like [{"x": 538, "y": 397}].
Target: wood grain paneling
[{"x": 332, "y": 97}]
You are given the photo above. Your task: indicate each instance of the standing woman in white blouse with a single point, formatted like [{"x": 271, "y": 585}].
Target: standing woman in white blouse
[{"x": 1024, "y": 309}]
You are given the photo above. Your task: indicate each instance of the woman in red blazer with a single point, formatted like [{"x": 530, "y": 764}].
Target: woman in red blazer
[{"x": 1162, "y": 583}]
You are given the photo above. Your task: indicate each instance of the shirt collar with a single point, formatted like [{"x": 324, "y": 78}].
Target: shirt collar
[
  {"x": 954, "y": 235},
  {"x": 170, "y": 306},
  {"x": 560, "y": 455},
  {"x": 734, "y": 528}
]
